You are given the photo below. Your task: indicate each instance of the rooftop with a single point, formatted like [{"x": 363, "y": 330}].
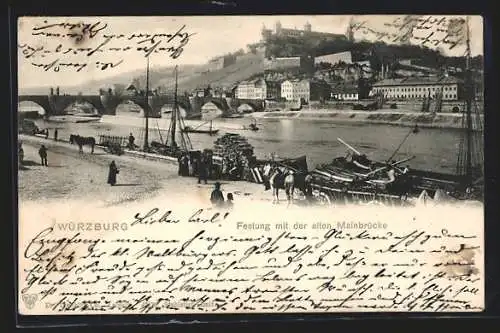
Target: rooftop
[{"x": 417, "y": 81}]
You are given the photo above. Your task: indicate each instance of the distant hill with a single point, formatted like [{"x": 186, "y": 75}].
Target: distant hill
[
  {"x": 190, "y": 77},
  {"x": 250, "y": 65},
  {"x": 198, "y": 77}
]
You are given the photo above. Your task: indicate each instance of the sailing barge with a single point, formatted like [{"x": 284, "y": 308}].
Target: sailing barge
[{"x": 171, "y": 146}]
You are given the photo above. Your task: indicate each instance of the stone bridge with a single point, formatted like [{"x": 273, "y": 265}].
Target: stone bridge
[{"x": 106, "y": 103}]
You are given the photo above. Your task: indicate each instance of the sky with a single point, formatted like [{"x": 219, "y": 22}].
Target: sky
[{"x": 212, "y": 36}]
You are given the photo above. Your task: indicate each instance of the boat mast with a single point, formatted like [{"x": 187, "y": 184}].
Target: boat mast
[
  {"x": 146, "y": 109},
  {"x": 469, "y": 96},
  {"x": 174, "y": 111}
]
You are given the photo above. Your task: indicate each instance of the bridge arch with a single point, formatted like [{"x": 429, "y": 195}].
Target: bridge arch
[
  {"x": 30, "y": 109},
  {"x": 245, "y": 108},
  {"x": 213, "y": 108},
  {"x": 58, "y": 104}
]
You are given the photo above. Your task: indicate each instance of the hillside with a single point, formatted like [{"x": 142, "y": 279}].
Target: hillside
[
  {"x": 198, "y": 77},
  {"x": 250, "y": 65},
  {"x": 92, "y": 87},
  {"x": 190, "y": 77}
]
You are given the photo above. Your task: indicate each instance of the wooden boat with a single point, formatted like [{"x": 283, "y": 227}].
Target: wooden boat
[
  {"x": 466, "y": 183},
  {"x": 252, "y": 127},
  {"x": 169, "y": 146},
  {"x": 210, "y": 131},
  {"x": 189, "y": 129}
]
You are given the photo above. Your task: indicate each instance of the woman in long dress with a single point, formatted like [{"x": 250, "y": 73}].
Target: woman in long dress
[{"x": 113, "y": 171}]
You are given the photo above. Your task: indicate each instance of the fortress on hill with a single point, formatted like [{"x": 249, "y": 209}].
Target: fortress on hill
[{"x": 307, "y": 32}]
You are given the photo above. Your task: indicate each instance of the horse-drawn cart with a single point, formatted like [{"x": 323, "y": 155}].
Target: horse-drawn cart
[{"x": 325, "y": 194}]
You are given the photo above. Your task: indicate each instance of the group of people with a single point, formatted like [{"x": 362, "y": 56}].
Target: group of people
[
  {"x": 217, "y": 198},
  {"x": 42, "y": 152},
  {"x": 201, "y": 166},
  {"x": 47, "y": 134}
]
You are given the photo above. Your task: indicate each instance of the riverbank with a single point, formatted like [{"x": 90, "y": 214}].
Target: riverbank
[
  {"x": 75, "y": 176},
  {"x": 380, "y": 117}
]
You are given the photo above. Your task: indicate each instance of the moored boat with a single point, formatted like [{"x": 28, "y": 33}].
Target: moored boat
[{"x": 189, "y": 129}]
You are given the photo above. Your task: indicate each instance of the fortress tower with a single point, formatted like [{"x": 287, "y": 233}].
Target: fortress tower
[
  {"x": 277, "y": 28},
  {"x": 308, "y": 27},
  {"x": 265, "y": 33}
]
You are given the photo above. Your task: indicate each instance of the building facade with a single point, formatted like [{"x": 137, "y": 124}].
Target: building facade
[
  {"x": 273, "y": 90},
  {"x": 418, "y": 88},
  {"x": 293, "y": 90},
  {"x": 345, "y": 92},
  {"x": 254, "y": 89},
  {"x": 334, "y": 58}
]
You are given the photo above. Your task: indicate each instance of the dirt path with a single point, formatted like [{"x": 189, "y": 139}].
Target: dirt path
[{"x": 71, "y": 175}]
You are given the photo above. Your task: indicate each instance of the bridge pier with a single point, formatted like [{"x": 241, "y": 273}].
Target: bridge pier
[{"x": 106, "y": 103}]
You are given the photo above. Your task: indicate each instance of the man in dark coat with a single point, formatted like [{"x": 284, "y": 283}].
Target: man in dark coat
[
  {"x": 217, "y": 198},
  {"x": 131, "y": 142},
  {"x": 179, "y": 162},
  {"x": 113, "y": 171},
  {"x": 43, "y": 155},
  {"x": 185, "y": 165},
  {"x": 202, "y": 169}
]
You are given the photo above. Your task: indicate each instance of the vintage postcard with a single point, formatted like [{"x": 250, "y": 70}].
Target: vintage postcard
[{"x": 250, "y": 164}]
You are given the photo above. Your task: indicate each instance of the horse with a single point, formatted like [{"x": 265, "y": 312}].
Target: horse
[
  {"x": 81, "y": 141},
  {"x": 288, "y": 181}
]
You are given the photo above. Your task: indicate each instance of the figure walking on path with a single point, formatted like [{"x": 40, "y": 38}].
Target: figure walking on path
[
  {"x": 113, "y": 171},
  {"x": 217, "y": 198},
  {"x": 43, "y": 155}
]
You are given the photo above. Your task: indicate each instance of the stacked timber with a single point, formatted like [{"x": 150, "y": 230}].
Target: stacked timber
[{"x": 234, "y": 156}]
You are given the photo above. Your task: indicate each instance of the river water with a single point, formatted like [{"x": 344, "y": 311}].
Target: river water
[{"x": 434, "y": 149}]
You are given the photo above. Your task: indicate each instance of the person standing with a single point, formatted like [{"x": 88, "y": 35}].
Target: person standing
[
  {"x": 229, "y": 202},
  {"x": 267, "y": 174},
  {"x": 179, "y": 162},
  {"x": 131, "y": 141},
  {"x": 217, "y": 198},
  {"x": 185, "y": 165},
  {"x": 202, "y": 169},
  {"x": 113, "y": 171},
  {"x": 55, "y": 134},
  {"x": 308, "y": 187},
  {"x": 43, "y": 155}
]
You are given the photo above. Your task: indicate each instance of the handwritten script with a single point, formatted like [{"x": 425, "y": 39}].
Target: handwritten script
[
  {"x": 75, "y": 46},
  {"x": 157, "y": 261},
  {"x": 430, "y": 31}
]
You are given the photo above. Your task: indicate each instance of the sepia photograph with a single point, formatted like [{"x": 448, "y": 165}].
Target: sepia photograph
[{"x": 250, "y": 164}]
